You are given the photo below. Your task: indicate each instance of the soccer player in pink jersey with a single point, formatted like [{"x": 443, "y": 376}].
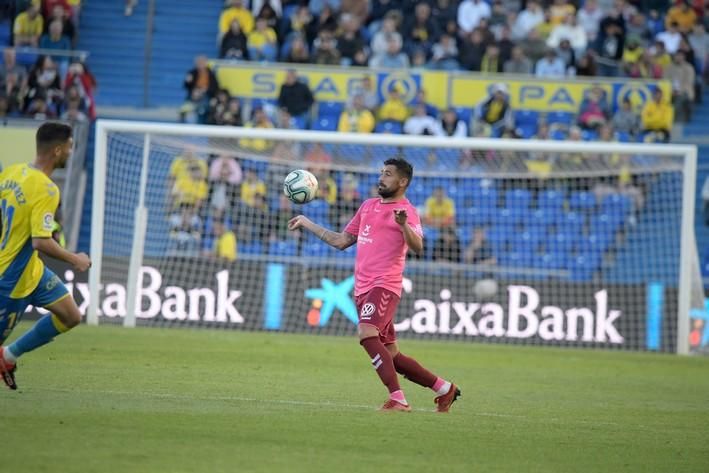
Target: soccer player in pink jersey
[{"x": 384, "y": 229}]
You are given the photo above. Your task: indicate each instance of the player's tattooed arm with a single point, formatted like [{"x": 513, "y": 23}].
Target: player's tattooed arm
[
  {"x": 337, "y": 240},
  {"x": 341, "y": 241}
]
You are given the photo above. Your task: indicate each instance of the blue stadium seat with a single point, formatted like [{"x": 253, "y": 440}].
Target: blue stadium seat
[
  {"x": 583, "y": 266},
  {"x": 616, "y": 204},
  {"x": 558, "y": 135},
  {"x": 518, "y": 199},
  {"x": 589, "y": 135},
  {"x": 324, "y": 124},
  {"x": 484, "y": 197},
  {"x": 571, "y": 221},
  {"x": 448, "y": 156},
  {"x": 526, "y": 117},
  {"x": 582, "y": 201},
  {"x": 251, "y": 248},
  {"x": 509, "y": 218},
  {"x": 464, "y": 114},
  {"x": 418, "y": 193},
  {"x": 283, "y": 248},
  {"x": 465, "y": 235},
  {"x": 597, "y": 241},
  {"x": 623, "y": 136},
  {"x": 394, "y": 128},
  {"x": 330, "y": 109},
  {"x": 527, "y": 241},
  {"x": 317, "y": 211},
  {"x": 606, "y": 224},
  {"x": 471, "y": 217},
  {"x": 262, "y": 103},
  {"x": 527, "y": 131},
  {"x": 382, "y": 153},
  {"x": 352, "y": 152},
  {"x": 517, "y": 259},
  {"x": 300, "y": 123},
  {"x": 540, "y": 219},
  {"x": 552, "y": 260},
  {"x": 561, "y": 118},
  {"x": 561, "y": 242},
  {"x": 498, "y": 237},
  {"x": 315, "y": 249},
  {"x": 551, "y": 200}
]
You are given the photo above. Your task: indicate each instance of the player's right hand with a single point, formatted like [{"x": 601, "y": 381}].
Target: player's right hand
[
  {"x": 298, "y": 222},
  {"x": 82, "y": 262}
]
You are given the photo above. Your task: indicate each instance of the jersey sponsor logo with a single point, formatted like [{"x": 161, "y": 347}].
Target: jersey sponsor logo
[
  {"x": 52, "y": 283},
  {"x": 364, "y": 235},
  {"x": 48, "y": 222},
  {"x": 367, "y": 311}
]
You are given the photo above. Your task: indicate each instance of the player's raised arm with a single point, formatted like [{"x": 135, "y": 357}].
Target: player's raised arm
[
  {"x": 338, "y": 240},
  {"x": 413, "y": 240}
]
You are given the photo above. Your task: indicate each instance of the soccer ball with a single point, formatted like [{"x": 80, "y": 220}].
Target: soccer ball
[
  {"x": 300, "y": 186},
  {"x": 485, "y": 289}
]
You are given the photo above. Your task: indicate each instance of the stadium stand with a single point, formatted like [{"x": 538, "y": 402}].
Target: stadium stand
[{"x": 621, "y": 38}]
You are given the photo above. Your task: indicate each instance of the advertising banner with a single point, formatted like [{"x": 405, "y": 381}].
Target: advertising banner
[
  {"x": 443, "y": 89},
  {"x": 254, "y": 295}
]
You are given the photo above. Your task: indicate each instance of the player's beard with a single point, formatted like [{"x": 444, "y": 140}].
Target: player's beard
[{"x": 385, "y": 192}]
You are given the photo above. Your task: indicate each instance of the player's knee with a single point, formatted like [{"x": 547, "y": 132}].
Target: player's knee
[
  {"x": 367, "y": 331},
  {"x": 71, "y": 319}
]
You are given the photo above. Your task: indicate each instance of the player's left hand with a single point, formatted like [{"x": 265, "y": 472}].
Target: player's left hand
[{"x": 400, "y": 216}]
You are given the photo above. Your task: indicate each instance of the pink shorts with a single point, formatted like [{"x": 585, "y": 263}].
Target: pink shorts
[{"x": 377, "y": 307}]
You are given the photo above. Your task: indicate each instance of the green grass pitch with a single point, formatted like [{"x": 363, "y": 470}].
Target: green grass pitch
[{"x": 108, "y": 399}]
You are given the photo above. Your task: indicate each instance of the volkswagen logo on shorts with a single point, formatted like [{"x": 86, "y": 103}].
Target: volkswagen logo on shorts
[{"x": 367, "y": 311}]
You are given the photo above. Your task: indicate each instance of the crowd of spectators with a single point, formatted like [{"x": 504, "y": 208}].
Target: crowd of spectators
[
  {"x": 548, "y": 40},
  {"x": 551, "y": 39},
  {"x": 40, "y": 76}
]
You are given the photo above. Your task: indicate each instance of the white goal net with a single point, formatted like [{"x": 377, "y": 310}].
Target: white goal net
[{"x": 527, "y": 242}]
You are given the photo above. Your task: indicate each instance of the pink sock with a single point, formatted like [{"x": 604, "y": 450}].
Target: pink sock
[{"x": 398, "y": 396}]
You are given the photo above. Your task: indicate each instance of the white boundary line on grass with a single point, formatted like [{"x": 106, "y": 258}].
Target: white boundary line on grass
[{"x": 329, "y": 404}]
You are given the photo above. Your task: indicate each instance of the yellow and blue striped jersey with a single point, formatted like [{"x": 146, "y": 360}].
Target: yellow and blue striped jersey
[{"x": 28, "y": 201}]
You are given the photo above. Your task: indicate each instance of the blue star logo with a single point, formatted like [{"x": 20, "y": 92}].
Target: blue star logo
[
  {"x": 334, "y": 296},
  {"x": 702, "y": 314}
]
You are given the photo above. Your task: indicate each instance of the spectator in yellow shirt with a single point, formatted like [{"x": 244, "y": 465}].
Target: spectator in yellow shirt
[
  {"x": 29, "y": 26},
  {"x": 236, "y": 11},
  {"x": 356, "y": 118},
  {"x": 225, "y": 246},
  {"x": 181, "y": 165},
  {"x": 262, "y": 42},
  {"x": 260, "y": 120},
  {"x": 191, "y": 187},
  {"x": 251, "y": 186},
  {"x": 657, "y": 116},
  {"x": 683, "y": 15},
  {"x": 394, "y": 108},
  {"x": 440, "y": 210}
]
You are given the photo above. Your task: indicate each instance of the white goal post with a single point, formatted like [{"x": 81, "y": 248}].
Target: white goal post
[{"x": 132, "y": 151}]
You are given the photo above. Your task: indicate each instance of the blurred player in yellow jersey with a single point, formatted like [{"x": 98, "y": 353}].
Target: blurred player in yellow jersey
[{"x": 28, "y": 202}]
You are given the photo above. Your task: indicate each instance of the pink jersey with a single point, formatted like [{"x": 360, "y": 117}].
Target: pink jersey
[{"x": 381, "y": 248}]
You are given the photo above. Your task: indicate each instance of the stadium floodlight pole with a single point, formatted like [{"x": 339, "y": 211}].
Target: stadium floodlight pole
[
  {"x": 136, "y": 256},
  {"x": 97, "y": 217},
  {"x": 687, "y": 251}
]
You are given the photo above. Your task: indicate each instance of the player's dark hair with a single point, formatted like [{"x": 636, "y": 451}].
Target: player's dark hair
[
  {"x": 403, "y": 167},
  {"x": 52, "y": 134}
]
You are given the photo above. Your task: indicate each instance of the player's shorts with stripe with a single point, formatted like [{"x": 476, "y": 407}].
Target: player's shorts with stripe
[
  {"x": 377, "y": 307},
  {"x": 50, "y": 289}
]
